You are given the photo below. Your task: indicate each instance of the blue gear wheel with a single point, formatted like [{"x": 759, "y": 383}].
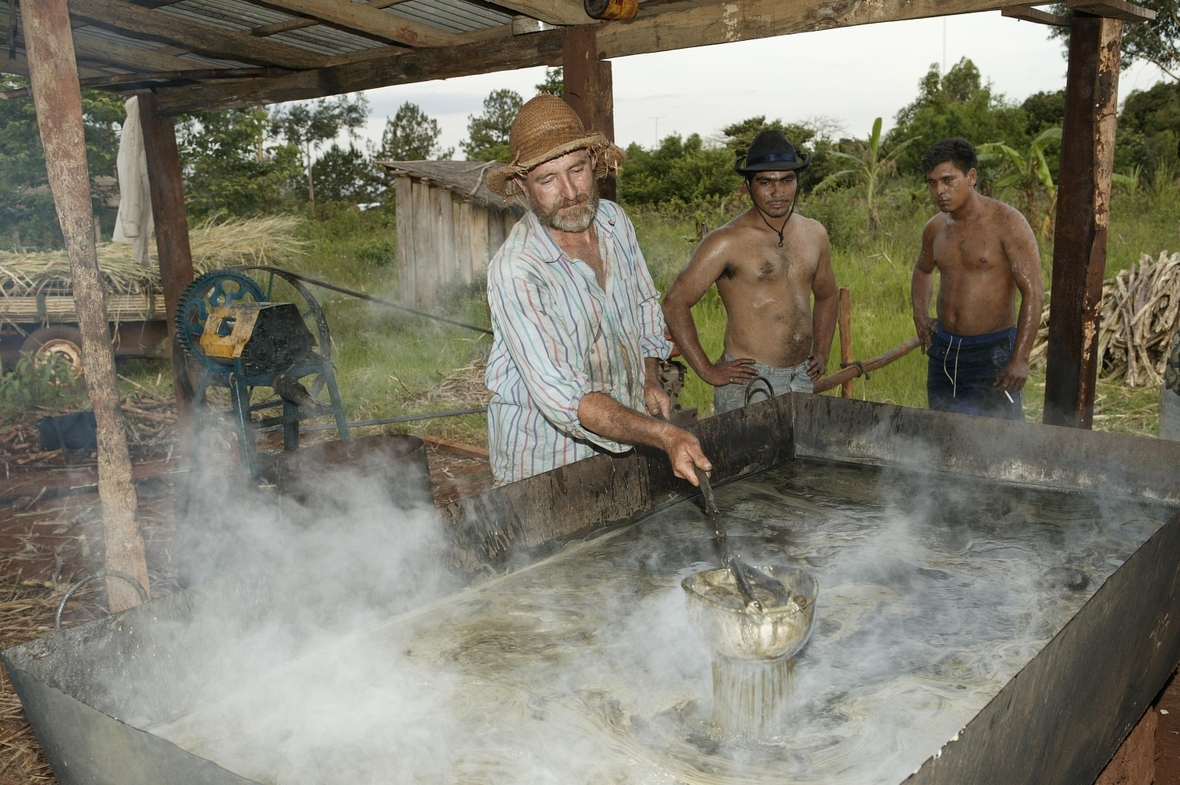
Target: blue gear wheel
[{"x": 213, "y": 289}]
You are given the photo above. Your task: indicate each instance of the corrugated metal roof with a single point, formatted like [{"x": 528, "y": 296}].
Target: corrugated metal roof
[
  {"x": 325, "y": 40},
  {"x": 141, "y": 43},
  {"x": 454, "y": 16},
  {"x": 226, "y": 14}
]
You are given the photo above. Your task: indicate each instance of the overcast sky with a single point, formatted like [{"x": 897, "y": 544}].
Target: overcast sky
[{"x": 851, "y": 76}]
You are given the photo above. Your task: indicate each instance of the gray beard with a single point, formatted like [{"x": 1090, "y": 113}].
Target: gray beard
[{"x": 574, "y": 218}]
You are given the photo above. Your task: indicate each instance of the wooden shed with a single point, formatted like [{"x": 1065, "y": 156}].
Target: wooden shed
[{"x": 448, "y": 226}]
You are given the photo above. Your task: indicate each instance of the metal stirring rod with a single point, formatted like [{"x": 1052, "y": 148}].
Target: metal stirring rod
[{"x": 731, "y": 562}]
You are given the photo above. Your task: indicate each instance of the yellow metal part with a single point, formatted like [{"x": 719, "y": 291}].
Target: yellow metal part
[{"x": 228, "y": 328}]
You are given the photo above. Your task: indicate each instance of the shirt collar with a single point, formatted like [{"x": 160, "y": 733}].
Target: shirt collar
[{"x": 604, "y": 221}]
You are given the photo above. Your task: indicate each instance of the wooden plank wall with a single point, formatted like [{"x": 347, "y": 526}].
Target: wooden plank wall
[
  {"x": 423, "y": 245},
  {"x": 481, "y": 250},
  {"x": 405, "y": 242},
  {"x": 442, "y": 243},
  {"x": 463, "y": 242}
]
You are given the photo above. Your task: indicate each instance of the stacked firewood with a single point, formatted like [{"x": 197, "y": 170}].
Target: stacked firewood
[{"x": 1138, "y": 320}]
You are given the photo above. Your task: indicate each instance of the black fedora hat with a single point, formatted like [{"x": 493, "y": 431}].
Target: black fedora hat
[{"x": 770, "y": 152}]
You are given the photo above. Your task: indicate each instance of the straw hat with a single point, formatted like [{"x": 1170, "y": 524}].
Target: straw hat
[
  {"x": 770, "y": 152},
  {"x": 546, "y": 128}
]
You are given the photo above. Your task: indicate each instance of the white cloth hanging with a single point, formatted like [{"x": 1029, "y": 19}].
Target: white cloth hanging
[{"x": 134, "y": 222}]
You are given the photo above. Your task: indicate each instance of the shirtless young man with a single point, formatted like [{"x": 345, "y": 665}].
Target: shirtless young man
[
  {"x": 984, "y": 252},
  {"x": 767, "y": 263}
]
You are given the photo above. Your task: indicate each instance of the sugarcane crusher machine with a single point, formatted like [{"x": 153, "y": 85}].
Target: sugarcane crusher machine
[{"x": 239, "y": 339}]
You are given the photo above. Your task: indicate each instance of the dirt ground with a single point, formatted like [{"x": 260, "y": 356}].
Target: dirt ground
[{"x": 51, "y": 536}]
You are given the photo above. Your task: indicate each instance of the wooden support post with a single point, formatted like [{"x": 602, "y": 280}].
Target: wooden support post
[
  {"x": 172, "y": 245},
  {"x": 1083, "y": 212},
  {"x": 844, "y": 320},
  {"x": 57, "y": 96},
  {"x": 589, "y": 87}
]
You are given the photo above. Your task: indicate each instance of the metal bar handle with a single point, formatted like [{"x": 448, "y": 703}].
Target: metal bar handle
[{"x": 61, "y": 606}]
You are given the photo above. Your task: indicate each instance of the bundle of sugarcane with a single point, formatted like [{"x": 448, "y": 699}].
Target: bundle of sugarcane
[
  {"x": 1137, "y": 321},
  {"x": 268, "y": 240}
]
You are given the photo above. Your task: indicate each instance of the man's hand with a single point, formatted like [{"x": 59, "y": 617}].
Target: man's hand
[
  {"x": 1013, "y": 375},
  {"x": 816, "y": 366},
  {"x": 925, "y": 325},
  {"x": 726, "y": 372},
  {"x": 686, "y": 455},
  {"x": 655, "y": 399}
]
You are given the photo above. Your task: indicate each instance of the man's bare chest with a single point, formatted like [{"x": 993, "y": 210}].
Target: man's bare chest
[
  {"x": 770, "y": 267},
  {"x": 969, "y": 252}
]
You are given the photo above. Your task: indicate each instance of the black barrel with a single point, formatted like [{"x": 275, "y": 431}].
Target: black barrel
[{"x": 397, "y": 462}]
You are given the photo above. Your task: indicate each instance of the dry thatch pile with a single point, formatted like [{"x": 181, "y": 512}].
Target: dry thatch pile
[
  {"x": 269, "y": 240},
  {"x": 1138, "y": 320}
]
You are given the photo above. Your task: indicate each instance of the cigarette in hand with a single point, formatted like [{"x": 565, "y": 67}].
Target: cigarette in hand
[{"x": 1009, "y": 397}]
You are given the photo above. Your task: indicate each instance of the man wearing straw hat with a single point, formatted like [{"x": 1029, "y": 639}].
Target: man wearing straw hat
[
  {"x": 767, "y": 264},
  {"x": 578, "y": 328}
]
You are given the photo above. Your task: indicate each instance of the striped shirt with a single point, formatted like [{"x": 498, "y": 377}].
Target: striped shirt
[{"x": 558, "y": 336}]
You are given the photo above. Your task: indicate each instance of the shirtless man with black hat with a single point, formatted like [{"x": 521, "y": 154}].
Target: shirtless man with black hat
[{"x": 767, "y": 264}]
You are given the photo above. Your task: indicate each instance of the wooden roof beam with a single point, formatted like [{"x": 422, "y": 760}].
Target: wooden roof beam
[
  {"x": 301, "y": 22},
  {"x": 726, "y": 22},
  {"x": 130, "y": 57},
  {"x": 205, "y": 39},
  {"x": 1026, "y": 13},
  {"x": 19, "y": 65},
  {"x": 1113, "y": 9},
  {"x": 363, "y": 18},
  {"x": 103, "y": 52},
  {"x": 701, "y": 24},
  {"x": 408, "y": 67},
  {"x": 554, "y": 12}
]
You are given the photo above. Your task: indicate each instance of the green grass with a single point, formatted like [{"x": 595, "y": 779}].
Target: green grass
[{"x": 389, "y": 362}]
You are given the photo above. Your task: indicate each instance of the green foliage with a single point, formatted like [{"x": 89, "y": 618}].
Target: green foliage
[
  {"x": 40, "y": 380},
  {"x": 1149, "y": 129},
  {"x": 1028, "y": 172},
  {"x": 870, "y": 166},
  {"x": 1044, "y": 110},
  {"x": 488, "y": 132},
  {"x": 678, "y": 171},
  {"x": 307, "y": 125},
  {"x": 347, "y": 176},
  {"x": 27, "y": 216},
  {"x": 1153, "y": 42},
  {"x": 412, "y": 135},
  {"x": 229, "y": 168},
  {"x": 957, "y": 104},
  {"x": 554, "y": 83}
]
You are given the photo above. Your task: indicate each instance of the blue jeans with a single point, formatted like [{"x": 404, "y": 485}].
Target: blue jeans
[
  {"x": 962, "y": 372},
  {"x": 783, "y": 380}
]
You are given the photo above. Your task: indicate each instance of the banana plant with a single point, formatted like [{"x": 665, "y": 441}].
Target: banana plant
[
  {"x": 1028, "y": 172},
  {"x": 870, "y": 166}
]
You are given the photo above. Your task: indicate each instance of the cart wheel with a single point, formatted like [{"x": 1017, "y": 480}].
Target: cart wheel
[{"x": 59, "y": 339}]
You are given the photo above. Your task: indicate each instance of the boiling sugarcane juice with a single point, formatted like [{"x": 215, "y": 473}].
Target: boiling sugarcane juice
[{"x": 584, "y": 667}]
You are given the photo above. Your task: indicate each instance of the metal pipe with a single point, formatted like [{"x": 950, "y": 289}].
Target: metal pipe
[
  {"x": 383, "y": 421},
  {"x": 386, "y": 303}
]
